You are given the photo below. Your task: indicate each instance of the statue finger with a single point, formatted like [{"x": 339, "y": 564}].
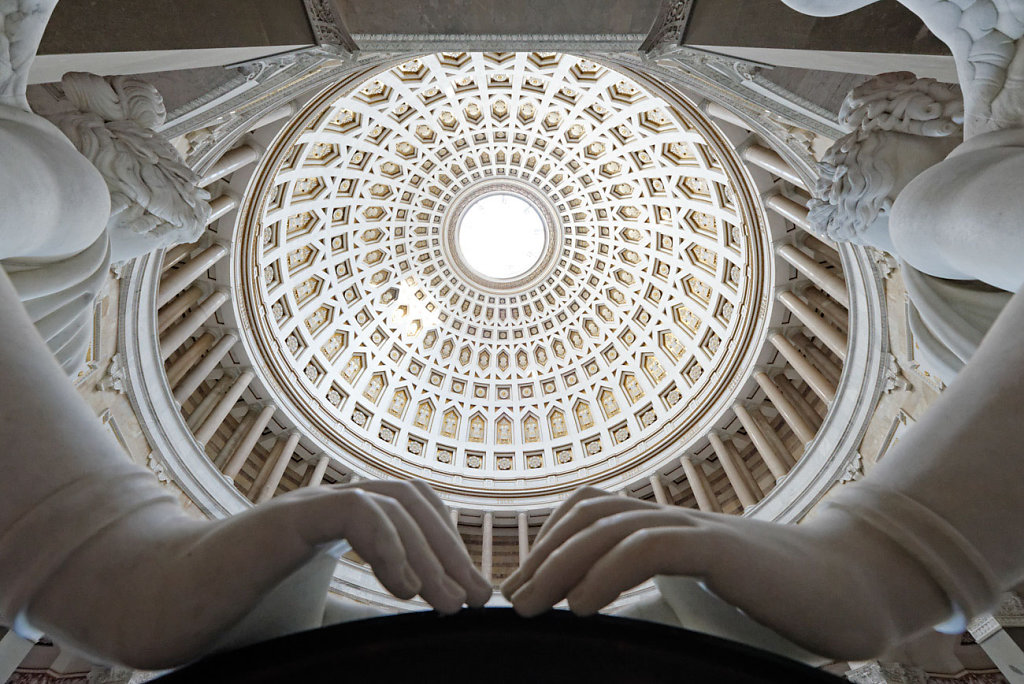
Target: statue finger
[
  {"x": 686, "y": 551},
  {"x": 305, "y": 521},
  {"x": 443, "y": 541},
  {"x": 585, "y": 513},
  {"x": 436, "y": 588},
  {"x": 566, "y": 566},
  {"x": 369, "y": 529},
  {"x": 581, "y": 494}
]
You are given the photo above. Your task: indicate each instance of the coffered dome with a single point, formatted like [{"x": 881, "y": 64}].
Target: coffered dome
[{"x": 508, "y": 274}]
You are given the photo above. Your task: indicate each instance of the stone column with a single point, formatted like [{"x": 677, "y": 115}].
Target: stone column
[
  {"x": 803, "y": 430},
  {"x": 826, "y": 250},
  {"x": 236, "y": 437},
  {"x": 774, "y": 460},
  {"x": 713, "y": 109},
  {"x": 658, "y": 487},
  {"x": 177, "y": 370},
  {"x": 487, "y": 550},
  {"x": 188, "y": 384},
  {"x": 823, "y": 277},
  {"x": 788, "y": 209},
  {"x": 453, "y": 513},
  {"x": 524, "y": 536},
  {"x": 181, "y": 331},
  {"x": 223, "y": 407},
  {"x": 177, "y": 307},
  {"x": 699, "y": 485},
  {"x": 221, "y": 205},
  {"x": 285, "y": 111},
  {"x": 771, "y": 433},
  {"x": 231, "y": 161},
  {"x": 990, "y": 633},
  {"x": 248, "y": 443},
  {"x": 837, "y": 315},
  {"x": 833, "y": 338},
  {"x": 205, "y": 405},
  {"x": 822, "y": 361},
  {"x": 770, "y": 161},
  {"x": 797, "y": 399},
  {"x": 804, "y": 368},
  {"x": 174, "y": 282},
  {"x": 743, "y": 483},
  {"x": 263, "y": 474},
  {"x": 317, "y": 478},
  {"x": 176, "y": 254},
  {"x": 269, "y": 488}
]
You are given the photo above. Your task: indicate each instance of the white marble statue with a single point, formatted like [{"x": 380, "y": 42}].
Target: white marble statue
[
  {"x": 95, "y": 553},
  {"x": 983, "y": 35},
  {"x": 900, "y": 127},
  {"x": 153, "y": 198},
  {"x": 155, "y": 201},
  {"x": 930, "y": 537},
  {"x": 48, "y": 182}
]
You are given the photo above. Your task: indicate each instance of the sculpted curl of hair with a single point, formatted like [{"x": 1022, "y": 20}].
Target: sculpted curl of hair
[
  {"x": 855, "y": 181},
  {"x": 153, "y": 193}
]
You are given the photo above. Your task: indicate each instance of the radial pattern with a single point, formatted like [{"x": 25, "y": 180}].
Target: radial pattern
[{"x": 622, "y": 330}]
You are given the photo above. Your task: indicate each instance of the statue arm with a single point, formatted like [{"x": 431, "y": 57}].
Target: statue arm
[
  {"x": 103, "y": 559},
  {"x": 929, "y": 536}
]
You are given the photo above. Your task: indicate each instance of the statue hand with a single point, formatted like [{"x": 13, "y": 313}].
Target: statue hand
[
  {"x": 401, "y": 529},
  {"x": 157, "y": 590},
  {"x": 817, "y": 585}
]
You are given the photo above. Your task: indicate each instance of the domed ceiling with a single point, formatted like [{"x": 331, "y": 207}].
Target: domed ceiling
[{"x": 507, "y": 274}]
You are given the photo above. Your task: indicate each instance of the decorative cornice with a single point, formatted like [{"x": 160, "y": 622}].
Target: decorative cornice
[
  {"x": 1009, "y": 613},
  {"x": 877, "y": 672},
  {"x": 114, "y": 379},
  {"x": 328, "y": 25},
  {"x": 670, "y": 26},
  {"x": 511, "y": 42}
]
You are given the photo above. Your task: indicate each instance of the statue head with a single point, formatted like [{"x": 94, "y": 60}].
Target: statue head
[
  {"x": 901, "y": 125},
  {"x": 154, "y": 197}
]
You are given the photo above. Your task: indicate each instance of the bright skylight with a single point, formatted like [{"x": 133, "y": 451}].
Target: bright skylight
[{"x": 501, "y": 236}]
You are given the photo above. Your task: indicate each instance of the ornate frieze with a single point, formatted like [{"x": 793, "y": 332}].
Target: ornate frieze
[
  {"x": 877, "y": 672},
  {"x": 328, "y": 26},
  {"x": 670, "y": 26}
]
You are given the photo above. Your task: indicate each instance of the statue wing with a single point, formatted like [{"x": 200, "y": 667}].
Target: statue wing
[{"x": 22, "y": 23}]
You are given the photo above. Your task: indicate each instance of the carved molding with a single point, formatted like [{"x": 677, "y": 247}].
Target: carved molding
[
  {"x": 511, "y": 42},
  {"x": 118, "y": 675},
  {"x": 114, "y": 378},
  {"x": 887, "y": 264},
  {"x": 1009, "y": 613},
  {"x": 854, "y": 471},
  {"x": 894, "y": 377},
  {"x": 328, "y": 25},
  {"x": 986, "y": 677},
  {"x": 876, "y": 672},
  {"x": 261, "y": 86},
  {"x": 983, "y": 626},
  {"x": 33, "y": 676},
  {"x": 670, "y": 26}
]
